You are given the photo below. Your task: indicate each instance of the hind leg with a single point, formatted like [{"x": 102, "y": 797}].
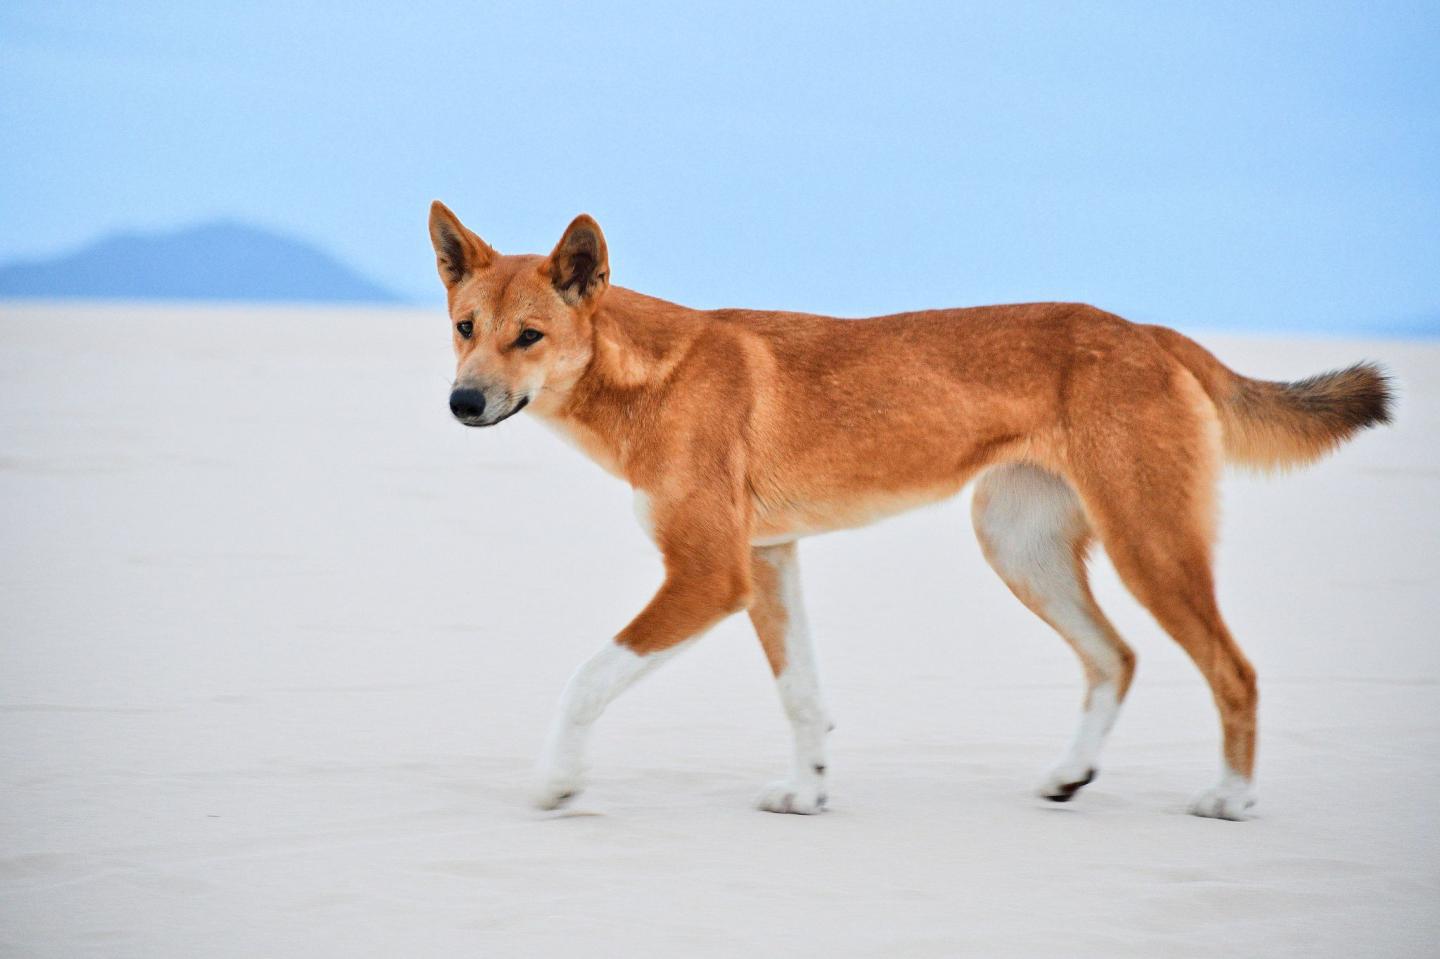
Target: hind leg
[
  {"x": 1033, "y": 532},
  {"x": 1152, "y": 505},
  {"x": 1168, "y": 570}
]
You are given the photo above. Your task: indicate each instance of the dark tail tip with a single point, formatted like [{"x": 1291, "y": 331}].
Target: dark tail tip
[
  {"x": 1371, "y": 394},
  {"x": 1350, "y": 399}
]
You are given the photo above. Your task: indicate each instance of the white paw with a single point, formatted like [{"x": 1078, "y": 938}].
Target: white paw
[
  {"x": 557, "y": 789},
  {"x": 1228, "y": 800},
  {"x": 787, "y": 795},
  {"x": 1065, "y": 780}
]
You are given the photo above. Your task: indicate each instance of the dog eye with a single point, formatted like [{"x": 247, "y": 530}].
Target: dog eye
[
  {"x": 466, "y": 328},
  {"x": 529, "y": 336}
]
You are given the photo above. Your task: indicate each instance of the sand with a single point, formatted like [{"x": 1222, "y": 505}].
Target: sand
[{"x": 279, "y": 642}]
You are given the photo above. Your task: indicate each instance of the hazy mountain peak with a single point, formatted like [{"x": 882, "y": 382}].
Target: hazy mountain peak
[{"x": 215, "y": 260}]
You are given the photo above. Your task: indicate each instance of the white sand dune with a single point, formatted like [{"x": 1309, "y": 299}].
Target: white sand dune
[{"x": 279, "y": 641}]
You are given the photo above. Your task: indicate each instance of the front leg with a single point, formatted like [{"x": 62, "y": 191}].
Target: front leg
[
  {"x": 778, "y": 614},
  {"x": 595, "y": 684},
  {"x": 707, "y": 578}
]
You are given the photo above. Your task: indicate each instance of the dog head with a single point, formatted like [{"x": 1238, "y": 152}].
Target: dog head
[{"x": 522, "y": 325}]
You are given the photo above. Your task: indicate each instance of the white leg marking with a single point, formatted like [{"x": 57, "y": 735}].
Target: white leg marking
[
  {"x": 644, "y": 515},
  {"x": 1230, "y": 798},
  {"x": 1080, "y": 762},
  {"x": 595, "y": 684},
  {"x": 799, "y": 688},
  {"x": 1029, "y": 521}
]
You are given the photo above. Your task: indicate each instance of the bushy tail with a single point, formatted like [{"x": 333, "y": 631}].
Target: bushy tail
[{"x": 1269, "y": 425}]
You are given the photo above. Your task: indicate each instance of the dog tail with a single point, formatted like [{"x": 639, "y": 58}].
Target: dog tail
[{"x": 1270, "y": 425}]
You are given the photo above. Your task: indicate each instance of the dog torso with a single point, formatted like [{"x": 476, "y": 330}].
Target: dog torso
[{"x": 833, "y": 422}]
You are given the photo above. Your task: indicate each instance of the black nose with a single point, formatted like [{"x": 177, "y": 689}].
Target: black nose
[{"x": 467, "y": 404}]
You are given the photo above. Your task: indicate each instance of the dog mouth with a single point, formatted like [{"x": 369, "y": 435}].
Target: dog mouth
[{"x": 482, "y": 421}]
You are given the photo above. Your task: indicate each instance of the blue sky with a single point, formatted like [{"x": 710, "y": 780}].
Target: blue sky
[{"x": 1233, "y": 165}]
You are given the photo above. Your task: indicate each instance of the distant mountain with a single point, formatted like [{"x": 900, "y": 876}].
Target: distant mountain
[{"x": 212, "y": 261}]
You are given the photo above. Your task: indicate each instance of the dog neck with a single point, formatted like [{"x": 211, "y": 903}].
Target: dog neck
[{"x": 638, "y": 341}]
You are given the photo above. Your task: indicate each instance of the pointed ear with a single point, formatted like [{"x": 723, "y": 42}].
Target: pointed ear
[
  {"x": 579, "y": 267},
  {"x": 458, "y": 251}
]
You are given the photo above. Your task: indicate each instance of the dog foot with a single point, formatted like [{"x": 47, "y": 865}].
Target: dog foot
[
  {"x": 1064, "y": 781},
  {"x": 556, "y": 791},
  {"x": 1230, "y": 799},
  {"x": 786, "y": 795}
]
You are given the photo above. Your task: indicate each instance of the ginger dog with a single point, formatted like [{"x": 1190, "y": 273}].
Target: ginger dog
[{"x": 742, "y": 431}]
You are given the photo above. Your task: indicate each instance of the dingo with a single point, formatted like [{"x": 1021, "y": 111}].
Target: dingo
[{"x": 743, "y": 430}]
